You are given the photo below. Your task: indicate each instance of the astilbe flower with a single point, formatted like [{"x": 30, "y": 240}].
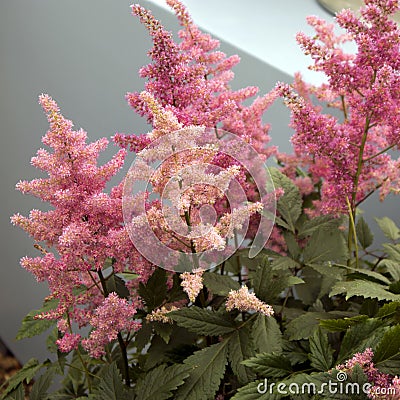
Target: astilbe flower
[
  {"x": 111, "y": 317},
  {"x": 84, "y": 226},
  {"x": 243, "y": 300},
  {"x": 188, "y": 85},
  {"x": 350, "y": 154},
  {"x": 384, "y": 386},
  {"x": 161, "y": 314},
  {"x": 185, "y": 177},
  {"x": 192, "y": 283}
]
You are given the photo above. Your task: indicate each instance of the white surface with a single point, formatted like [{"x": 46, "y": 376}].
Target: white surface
[{"x": 264, "y": 28}]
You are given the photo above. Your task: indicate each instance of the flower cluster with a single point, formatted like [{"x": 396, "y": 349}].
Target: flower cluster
[
  {"x": 350, "y": 154},
  {"x": 111, "y": 317},
  {"x": 379, "y": 380},
  {"x": 192, "y": 283},
  {"x": 243, "y": 300},
  {"x": 84, "y": 227}
]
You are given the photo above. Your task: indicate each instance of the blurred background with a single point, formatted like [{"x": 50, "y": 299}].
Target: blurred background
[{"x": 86, "y": 55}]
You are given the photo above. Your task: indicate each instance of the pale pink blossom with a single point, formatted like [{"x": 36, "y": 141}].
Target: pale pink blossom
[
  {"x": 192, "y": 283},
  {"x": 243, "y": 300}
]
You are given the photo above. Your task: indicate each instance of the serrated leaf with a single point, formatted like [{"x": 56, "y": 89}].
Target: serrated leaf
[
  {"x": 389, "y": 347},
  {"x": 143, "y": 336},
  {"x": 240, "y": 348},
  {"x": 266, "y": 335},
  {"x": 288, "y": 205},
  {"x": 17, "y": 394},
  {"x": 155, "y": 290},
  {"x": 203, "y": 321},
  {"x": 292, "y": 245},
  {"x": 25, "y": 374},
  {"x": 304, "y": 326},
  {"x": 325, "y": 246},
  {"x": 364, "y": 289},
  {"x": 364, "y": 234},
  {"x": 389, "y": 309},
  {"x": 163, "y": 330},
  {"x": 269, "y": 365},
  {"x": 284, "y": 263},
  {"x": 219, "y": 285},
  {"x": 208, "y": 369},
  {"x": 321, "y": 352},
  {"x": 110, "y": 386},
  {"x": 360, "y": 336},
  {"x": 371, "y": 274},
  {"x": 268, "y": 283},
  {"x": 41, "y": 386},
  {"x": 391, "y": 266},
  {"x": 117, "y": 285},
  {"x": 32, "y": 327},
  {"x": 390, "y": 366},
  {"x": 266, "y": 390},
  {"x": 159, "y": 383},
  {"x": 339, "y": 325},
  {"x": 393, "y": 251},
  {"x": 322, "y": 223},
  {"x": 389, "y": 228}
]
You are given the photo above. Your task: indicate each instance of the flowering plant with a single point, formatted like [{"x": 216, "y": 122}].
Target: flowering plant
[{"x": 166, "y": 287}]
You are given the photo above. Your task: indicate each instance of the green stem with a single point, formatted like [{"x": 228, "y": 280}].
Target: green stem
[
  {"x": 120, "y": 339},
  {"x": 353, "y": 229}
]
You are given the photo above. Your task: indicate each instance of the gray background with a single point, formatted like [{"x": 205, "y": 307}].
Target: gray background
[{"x": 86, "y": 54}]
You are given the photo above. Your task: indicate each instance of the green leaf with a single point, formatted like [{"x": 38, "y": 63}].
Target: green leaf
[
  {"x": 325, "y": 246},
  {"x": 284, "y": 263},
  {"x": 266, "y": 390},
  {"x": 143, "y": 336},
  {"x": 270, "y": 365},
  {"x": 159, "y": 383},
  {"x": 288, "y": 205},
  {"x": 208, "y": 369},
  {"x": 292, "y": 245},
  {"x": 117, "y": 285},
  {"x": 389, "y": 228},
  {"x": 321, "y": 223},
  {"x": 389, "y": 309},
  {"x": 364, "y": 289},
  {"x": 219, "y": 285},
  {"x": 339, "y": 325},
  {"x": 387, "y": 353},
  {"x": 376, "y": 276},
  {"x": 17, "y": 394},
  {"x": 240, "y": 348},
  {"x": 110, "y": 386},
  {"x": 163, "y": 330},
  {"x": 321, "y": 352},
  {"x": 364, "y": 234},
  {"x": 268, "y": 283},
  {"x": 155, "y": 290},
  {"x": 42, "y": 385},
  {"x": 393, "y": 251},
  {"x": 266, "y": 335},
  {"x": 304, "y": 326},
  {"x": 392, "y": 267},
  {"x": 32, "y": 327},
  {"x": 25, "y": 374},
  {"x": 360, "y": 336},
  {"x": 203, "y": 321}
]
